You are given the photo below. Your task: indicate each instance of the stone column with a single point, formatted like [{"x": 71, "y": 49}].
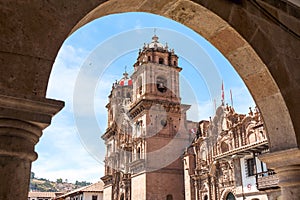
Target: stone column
[
  {"x": 21, "y": 124},
  {"x": 286, "y": 164},
  {"x": 196, "y": 185}
]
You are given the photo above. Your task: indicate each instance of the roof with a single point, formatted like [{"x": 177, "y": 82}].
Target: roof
[
  {"x": 42, "y": 194},
  {"x": 96, "y": 187},
  {"x": 125, "y": 80},
  {"x": 155, "y": 43}
]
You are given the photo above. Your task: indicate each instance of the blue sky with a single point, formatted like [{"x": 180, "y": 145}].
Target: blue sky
[{"x": 92, "y": 58}]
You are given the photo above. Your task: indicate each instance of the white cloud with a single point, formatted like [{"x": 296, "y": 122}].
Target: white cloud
[
  {"x": 61, "y": 153},
  {"x": 64, "y": 74}
]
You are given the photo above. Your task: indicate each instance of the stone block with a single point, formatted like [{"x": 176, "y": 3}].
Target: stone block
[
  {"x": 227, "y": 40},
  {"x": 261, "y": 85},
  {"x": 31, "y": 80},
  {"x": 278, "y": 123},
  {"x": 246, "y": 61}
]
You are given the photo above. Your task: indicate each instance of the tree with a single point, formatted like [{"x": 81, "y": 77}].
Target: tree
[
  {"x": 32, "y": 174},
  {"x": 59, "y": 180}
]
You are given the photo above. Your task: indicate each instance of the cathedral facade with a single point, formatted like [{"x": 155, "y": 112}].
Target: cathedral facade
[
  {"x": 152, "y": 154},
  {"x": 147, "y": 130},
  {"x": 222, "y": 163}
]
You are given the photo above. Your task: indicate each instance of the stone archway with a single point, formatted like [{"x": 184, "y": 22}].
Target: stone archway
[
  {"x": 233, "y": 46},
  {"x": 32, "y": 34}
]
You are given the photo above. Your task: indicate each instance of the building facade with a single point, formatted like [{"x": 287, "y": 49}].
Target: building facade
[
  {"x": 146, "y": 120},
  {"x": 151, "y": 153},
  {"x": 222, "y": 162},
  {"x": 42, "y": 195},
  {"x": 89, "y": 192}
]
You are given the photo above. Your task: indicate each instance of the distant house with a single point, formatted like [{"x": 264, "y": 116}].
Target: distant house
[
  {"x": 42, "y": 195},
  {"x": 90, "y": 192}
]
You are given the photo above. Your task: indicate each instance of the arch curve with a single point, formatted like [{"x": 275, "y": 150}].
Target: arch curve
[{"x": 233, "y": 46}]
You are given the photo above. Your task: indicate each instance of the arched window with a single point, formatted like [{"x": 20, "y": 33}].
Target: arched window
[
  {"x": 138, "y": 128},
  {"x": 169, "y": 197},
  {"x": 161, "y": 61},
  {"x": 161, "y": 84},
  {"x": 205, "y": 197},
  {"x": 224, "y": 147},
  {"x": 140, "y": 86},
  {"x": 138, "y": 153},
  {"x": 252, "y": 137},
  {"x": 149, "y": 58},
  {"x": 175, "y": 63},
  {"x": 230, "y": 196}
]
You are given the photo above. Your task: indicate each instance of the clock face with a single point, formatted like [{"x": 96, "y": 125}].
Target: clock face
[{"x": 163, "y": 122}]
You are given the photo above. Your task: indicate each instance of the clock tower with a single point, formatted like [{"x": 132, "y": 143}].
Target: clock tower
[
  {"x": 159, "y": 125},
  {"x": 147, "y": 130}
]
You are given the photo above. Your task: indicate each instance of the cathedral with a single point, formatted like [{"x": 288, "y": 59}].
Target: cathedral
[
  {"x": 154, "y": 153},
  {"x": 222, "y": 161}
]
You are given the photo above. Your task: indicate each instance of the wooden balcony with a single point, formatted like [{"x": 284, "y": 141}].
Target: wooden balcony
[{"x": 267, "y": 180}]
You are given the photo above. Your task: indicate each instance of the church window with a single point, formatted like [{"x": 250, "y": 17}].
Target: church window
[
  {"x": 224, "y": 147},
  {"x": 161, "y": 84},
  {"x": 175, "y": 63},
  {"x": 250, "y": 167},
  {"x": 138, "y": 128},
  {"x": 94, "y": 197},
  {"x": 252, "y": 138},
  {"x": 163, "y": 122},
  {"x": 230, "y": 196},
  {"x": 138, "y": 153},
  {"x": 169, "y": 197},
  {"x": 161, "y": 61},
  {"x": 149, "y": 58},
  {"x": 109, "y": 149},
  {"x": 205, "y": 197},
  {"x": 140, "y": 86}
]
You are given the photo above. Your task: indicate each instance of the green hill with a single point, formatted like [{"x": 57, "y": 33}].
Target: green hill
[{"x": 44, "y": 185}]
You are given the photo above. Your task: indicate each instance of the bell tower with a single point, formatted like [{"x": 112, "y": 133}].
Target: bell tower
[
  {"x": 159, "y": 125},
  {"x": 156, "y": 73}
]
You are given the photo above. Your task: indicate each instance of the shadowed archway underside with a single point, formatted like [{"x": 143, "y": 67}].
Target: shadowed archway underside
[{"x": 259, "y": 38}]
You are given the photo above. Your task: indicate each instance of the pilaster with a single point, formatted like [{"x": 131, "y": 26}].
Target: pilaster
[
  {"x": 286, "y": 164},
  {"x": 21, "y": 123}
]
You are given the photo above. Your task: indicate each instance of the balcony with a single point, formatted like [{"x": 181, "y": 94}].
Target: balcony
[{"x": 267, "y": 180}]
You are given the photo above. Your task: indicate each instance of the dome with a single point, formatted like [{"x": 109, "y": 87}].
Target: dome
[
  {"x": 125, "y": 81},
  {"x": 155, "y": 43}
]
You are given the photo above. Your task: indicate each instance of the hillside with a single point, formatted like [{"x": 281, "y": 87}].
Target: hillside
[{"x": 44, "y": 185}]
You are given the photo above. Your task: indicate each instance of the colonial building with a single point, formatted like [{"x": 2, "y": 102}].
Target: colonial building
[
  {"x": 152, "y": 155},
  {"x": 222, "y": 161},
  {"x": 42, "y": 195},
  {"x": 147, "y": 129},
  {"x": 89, "y": 192}
]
